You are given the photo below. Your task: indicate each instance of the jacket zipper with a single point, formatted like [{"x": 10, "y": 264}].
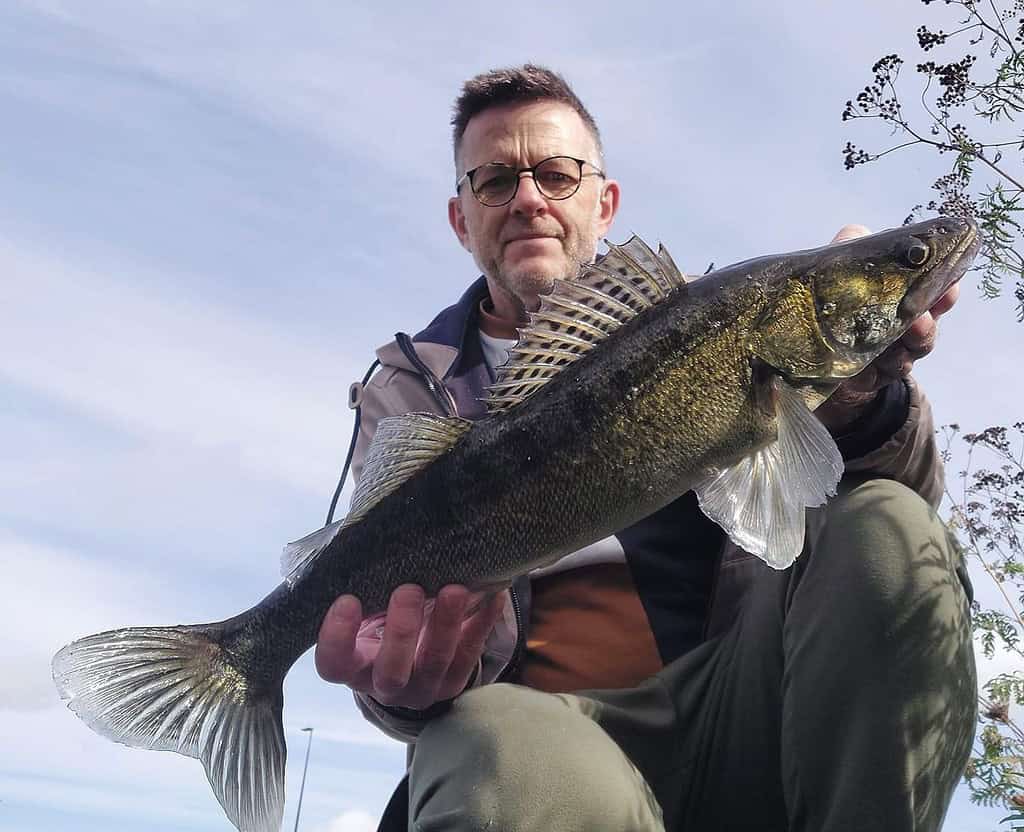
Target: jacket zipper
[{"x": 517, "y": 651}]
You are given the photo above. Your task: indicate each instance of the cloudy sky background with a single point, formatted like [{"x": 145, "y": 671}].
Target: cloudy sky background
[{"x": 211, "y": 214}]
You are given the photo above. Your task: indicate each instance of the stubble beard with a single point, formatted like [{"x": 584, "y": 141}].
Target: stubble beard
[{"x": 526, "y": 286}]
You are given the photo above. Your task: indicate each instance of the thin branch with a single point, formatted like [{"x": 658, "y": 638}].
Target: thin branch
[
  {"x": 996, "y": 168},
  {"x": 1005, "y": 36},
  {"x": 897, "y": 147}
]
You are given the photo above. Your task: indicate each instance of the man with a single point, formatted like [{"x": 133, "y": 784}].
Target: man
[{"x": 835, "y": 695}]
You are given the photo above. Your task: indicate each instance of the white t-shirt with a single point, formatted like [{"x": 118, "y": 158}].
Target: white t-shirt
[{"x": 495, "y": 349}]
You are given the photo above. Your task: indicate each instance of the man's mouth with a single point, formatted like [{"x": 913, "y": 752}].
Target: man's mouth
[{"x": 523, "y": 237}]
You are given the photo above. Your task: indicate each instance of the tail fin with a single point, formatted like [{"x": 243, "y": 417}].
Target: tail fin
[{"x": 175, "y": 689}]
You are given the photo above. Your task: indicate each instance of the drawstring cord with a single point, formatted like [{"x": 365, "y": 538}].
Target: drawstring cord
[
  {"x": 351, "y": 444},
  {"x": 442, "y": 395}
]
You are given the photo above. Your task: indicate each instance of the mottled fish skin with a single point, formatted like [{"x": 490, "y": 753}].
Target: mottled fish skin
[{"x": 683, "y": 387}]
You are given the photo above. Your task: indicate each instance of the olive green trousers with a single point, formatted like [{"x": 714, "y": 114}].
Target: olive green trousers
[{"x": 842, "y": 698}]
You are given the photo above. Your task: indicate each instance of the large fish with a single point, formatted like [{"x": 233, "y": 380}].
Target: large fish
[{"x": 628, "y": 388}]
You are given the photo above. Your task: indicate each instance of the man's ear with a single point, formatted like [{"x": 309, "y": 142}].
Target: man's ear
[
  {"x": 457, "y": 220},
  {"x": 607, "y": 206}
]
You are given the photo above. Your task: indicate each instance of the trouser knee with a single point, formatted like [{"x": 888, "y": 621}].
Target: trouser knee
[
  {"x": 878, "y": 637},
  {"x": 510, "y": 758},
  {"x": 885, "y": 548}
]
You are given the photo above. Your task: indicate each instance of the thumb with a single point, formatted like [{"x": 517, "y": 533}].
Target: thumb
[{"x": 851, "y": 232}]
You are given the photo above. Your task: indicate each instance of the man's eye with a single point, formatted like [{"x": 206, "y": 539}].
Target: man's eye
[{"x": 496, "y": 182}]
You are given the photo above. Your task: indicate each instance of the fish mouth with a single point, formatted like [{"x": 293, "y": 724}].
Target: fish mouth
[{"x": 937, "y": 280}]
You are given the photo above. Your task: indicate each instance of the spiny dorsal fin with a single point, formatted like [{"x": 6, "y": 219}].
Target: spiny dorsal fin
[
  {"x": 636, "y": 256},
  {"x": 577, "y": 315},
  {"x": 402, "y": 445}
]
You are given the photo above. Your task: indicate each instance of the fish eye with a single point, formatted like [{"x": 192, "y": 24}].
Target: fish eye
[
  {"x": 828, "y": 308},
  {"x": 917, "y": 253}
]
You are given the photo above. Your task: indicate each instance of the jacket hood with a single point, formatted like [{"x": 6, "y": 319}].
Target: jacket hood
[{"x": 445, "y": 345}]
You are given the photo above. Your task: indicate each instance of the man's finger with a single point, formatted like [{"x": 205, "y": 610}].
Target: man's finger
[
  {"x": 437, "y": 644},
  {"x": 919, "y": 339},
  {"x": 896, "y": 362},
  {"x": 440, "y": 637},
  {"x": 394, "y": 662},
  {"x": 851, "y": 232},
  {"x": 335, "y": 646},
  {"x": 945, "y": 303},
  {"x": 475, "y": 630}
]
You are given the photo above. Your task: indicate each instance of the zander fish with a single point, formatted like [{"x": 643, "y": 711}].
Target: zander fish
[{"x": 628, "y": 388}]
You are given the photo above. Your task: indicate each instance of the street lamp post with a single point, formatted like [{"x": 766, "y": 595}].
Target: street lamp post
[{"x": 302, "y": 788}]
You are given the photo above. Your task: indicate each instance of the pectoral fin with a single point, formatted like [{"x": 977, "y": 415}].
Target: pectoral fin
[{"x": 760, "y": 500}]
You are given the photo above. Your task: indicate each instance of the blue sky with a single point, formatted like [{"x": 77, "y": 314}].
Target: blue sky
[{"x": 212, "y": 213}]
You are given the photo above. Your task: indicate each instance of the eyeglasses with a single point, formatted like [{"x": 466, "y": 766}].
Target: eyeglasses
[{"x": 557, "y": 177}]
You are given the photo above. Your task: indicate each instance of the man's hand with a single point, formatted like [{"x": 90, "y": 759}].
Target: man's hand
[
  {"x": 854, "y": 395},
  {"x": 418, "y": 653}
]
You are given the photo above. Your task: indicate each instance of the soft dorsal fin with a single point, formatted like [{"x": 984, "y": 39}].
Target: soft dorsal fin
[
  {"x": 402, "y": 445},
  {"x": 579, "y": 314}
]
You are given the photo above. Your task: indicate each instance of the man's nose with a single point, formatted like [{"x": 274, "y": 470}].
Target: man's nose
[{"x": 528, "y": 199}]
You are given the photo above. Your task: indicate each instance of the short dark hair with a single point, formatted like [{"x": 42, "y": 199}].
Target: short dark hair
[{"x": 515, "y": 85}]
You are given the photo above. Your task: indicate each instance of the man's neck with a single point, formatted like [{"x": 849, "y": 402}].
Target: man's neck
[{"x": 495, "y": 324}]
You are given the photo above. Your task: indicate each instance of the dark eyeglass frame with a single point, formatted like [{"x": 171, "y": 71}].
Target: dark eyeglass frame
[{"x": 533, "y": 175}]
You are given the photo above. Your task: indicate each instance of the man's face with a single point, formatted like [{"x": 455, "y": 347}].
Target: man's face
[{"x": 523, "y": 246}]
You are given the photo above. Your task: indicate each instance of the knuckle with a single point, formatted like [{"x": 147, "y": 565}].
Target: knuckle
[
  {"x": 389, "y": 684},
  {"x": 385, "y": 698},
  {"x": 400, "y": 631},
  {"x": 446, "y": 616},
  {"x": 416, "y": 698},
  {"x": 433, "y": 664},
  {"x": 331, "y": 671},
  {"x": 420, "y": 699}
]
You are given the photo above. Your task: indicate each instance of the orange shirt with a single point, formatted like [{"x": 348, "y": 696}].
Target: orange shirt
[{"x": 588, "y": 629}]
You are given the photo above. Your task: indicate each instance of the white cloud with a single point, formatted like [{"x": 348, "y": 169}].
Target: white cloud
[
  {"x": 351, "y": 821},
  {"x": 154, "y": 365},
  {"x": 60, "y": 596},
  {"x": 51, "y": 753},
  {"x": 306, "y": 73}
]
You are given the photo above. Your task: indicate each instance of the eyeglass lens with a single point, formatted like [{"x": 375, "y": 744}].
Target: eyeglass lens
[{"x": 556, "y": 178}]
